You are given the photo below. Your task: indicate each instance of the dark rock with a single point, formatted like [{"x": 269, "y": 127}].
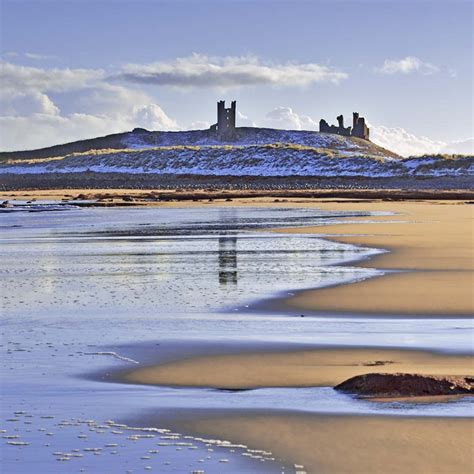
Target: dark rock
[{"x": 406, "y": 385}]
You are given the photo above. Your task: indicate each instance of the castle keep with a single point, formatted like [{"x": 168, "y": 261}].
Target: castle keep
[
  {"x": 225, "y": 126},
  {"x": 359, "y": 128}
]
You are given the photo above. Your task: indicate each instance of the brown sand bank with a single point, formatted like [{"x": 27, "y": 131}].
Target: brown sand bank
[
  {"x": 348, "y": 444},
  {"x": 298, "y": 368},
  {"x": 432, "y": 243}
]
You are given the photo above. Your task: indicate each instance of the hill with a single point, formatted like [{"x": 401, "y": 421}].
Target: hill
[{"x": 256, "y": 152}]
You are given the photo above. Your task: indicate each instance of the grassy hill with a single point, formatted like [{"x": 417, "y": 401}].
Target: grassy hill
[{"x": 261, "y": 152}]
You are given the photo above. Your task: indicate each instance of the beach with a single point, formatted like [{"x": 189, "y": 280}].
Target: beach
[
  {"x": 431, "y": 253},
  {"x": 232, "y": 340},
  {"x": 342, "y": 444}
]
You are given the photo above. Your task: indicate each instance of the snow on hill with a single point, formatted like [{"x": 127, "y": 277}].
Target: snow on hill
[{"x": 256, "y": 152}]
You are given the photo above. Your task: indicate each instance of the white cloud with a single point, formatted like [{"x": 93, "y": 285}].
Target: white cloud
[
  {"x": 30, "y": 119},
  {"x": 103, "y": 97},
  {"x": 153, "y": 117},
  {"x": 402, "y": 142},
  {"x": 285, "y": 118},
  {"x": 405, "y": 143},
  {"x": 244, "y": 121},
  {"x": 41, "y": 130},
  {"x": 462, "y": 147},
  {"x": 27, "y": 103},
  {"x": 407, "y": 65},
  {"x": 17, "y": 79},
  {"x": 225, "y": 72}
]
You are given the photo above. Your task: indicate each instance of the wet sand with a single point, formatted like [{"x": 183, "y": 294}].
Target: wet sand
[
  {"x": 346, "y": 444},
  {"x": 297, "y": 368},
  {"x": 430, "y": 244},
  {"x": 431, "y": 247}
]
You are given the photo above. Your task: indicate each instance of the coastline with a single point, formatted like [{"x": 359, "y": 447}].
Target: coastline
[
  {"x": 340, "y": 443},
  {"x": 429, "y": 263}
]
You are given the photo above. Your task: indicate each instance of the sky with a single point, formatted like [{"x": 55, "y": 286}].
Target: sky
[{"x": 75, "y": 69}]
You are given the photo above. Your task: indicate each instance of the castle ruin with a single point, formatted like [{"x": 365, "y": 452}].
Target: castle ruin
[
  {"x": 226, "y": 131},
  {"x": 359, "y": 128},
  {"x": 225, "y": 126}
]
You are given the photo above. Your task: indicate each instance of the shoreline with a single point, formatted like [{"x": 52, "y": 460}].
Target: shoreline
[
  {"x": 330, "y": 443},
  {"x": 429, "y": 263}
]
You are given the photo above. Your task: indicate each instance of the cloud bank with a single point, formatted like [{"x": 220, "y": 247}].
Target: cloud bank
[
  {"x": 286, "y": 119},
  {"x": 200, "y": 70},
  {"x": 405, "y": 143},
  {"x": 30, "y": 118}
]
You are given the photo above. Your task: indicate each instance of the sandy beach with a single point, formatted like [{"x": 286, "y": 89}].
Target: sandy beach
[
  {"x": 430, "y": 247},
  {"x": 343, "y": 444}
]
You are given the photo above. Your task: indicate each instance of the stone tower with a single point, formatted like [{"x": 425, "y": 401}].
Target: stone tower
[{"x": 226, "y": 121}]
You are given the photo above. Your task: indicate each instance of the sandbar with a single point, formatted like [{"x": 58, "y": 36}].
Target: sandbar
[{"x": 295, "y": 368}]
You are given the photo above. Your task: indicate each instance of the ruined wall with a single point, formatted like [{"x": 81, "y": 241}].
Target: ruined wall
[
  {"x": 338, "y": 129},
  {"x": 358, "y": 129}
]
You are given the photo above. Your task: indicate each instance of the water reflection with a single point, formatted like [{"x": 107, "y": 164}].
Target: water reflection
[{"x": 227, "y": 258}]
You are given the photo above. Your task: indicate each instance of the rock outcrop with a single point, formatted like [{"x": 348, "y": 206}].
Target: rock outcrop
[{"x": 406, "y": 385}]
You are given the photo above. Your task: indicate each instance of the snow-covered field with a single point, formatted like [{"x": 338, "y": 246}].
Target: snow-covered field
[{"x": 257, "y": 152}]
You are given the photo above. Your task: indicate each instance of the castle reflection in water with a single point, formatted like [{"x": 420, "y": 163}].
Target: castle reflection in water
[{"x": 227, "y": 258}]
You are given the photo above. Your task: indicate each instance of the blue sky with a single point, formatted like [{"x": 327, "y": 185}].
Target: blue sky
[{"x": 76, "y": 68}]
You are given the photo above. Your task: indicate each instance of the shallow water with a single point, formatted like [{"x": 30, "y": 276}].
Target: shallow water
[{"x": 85, "y": 290}]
